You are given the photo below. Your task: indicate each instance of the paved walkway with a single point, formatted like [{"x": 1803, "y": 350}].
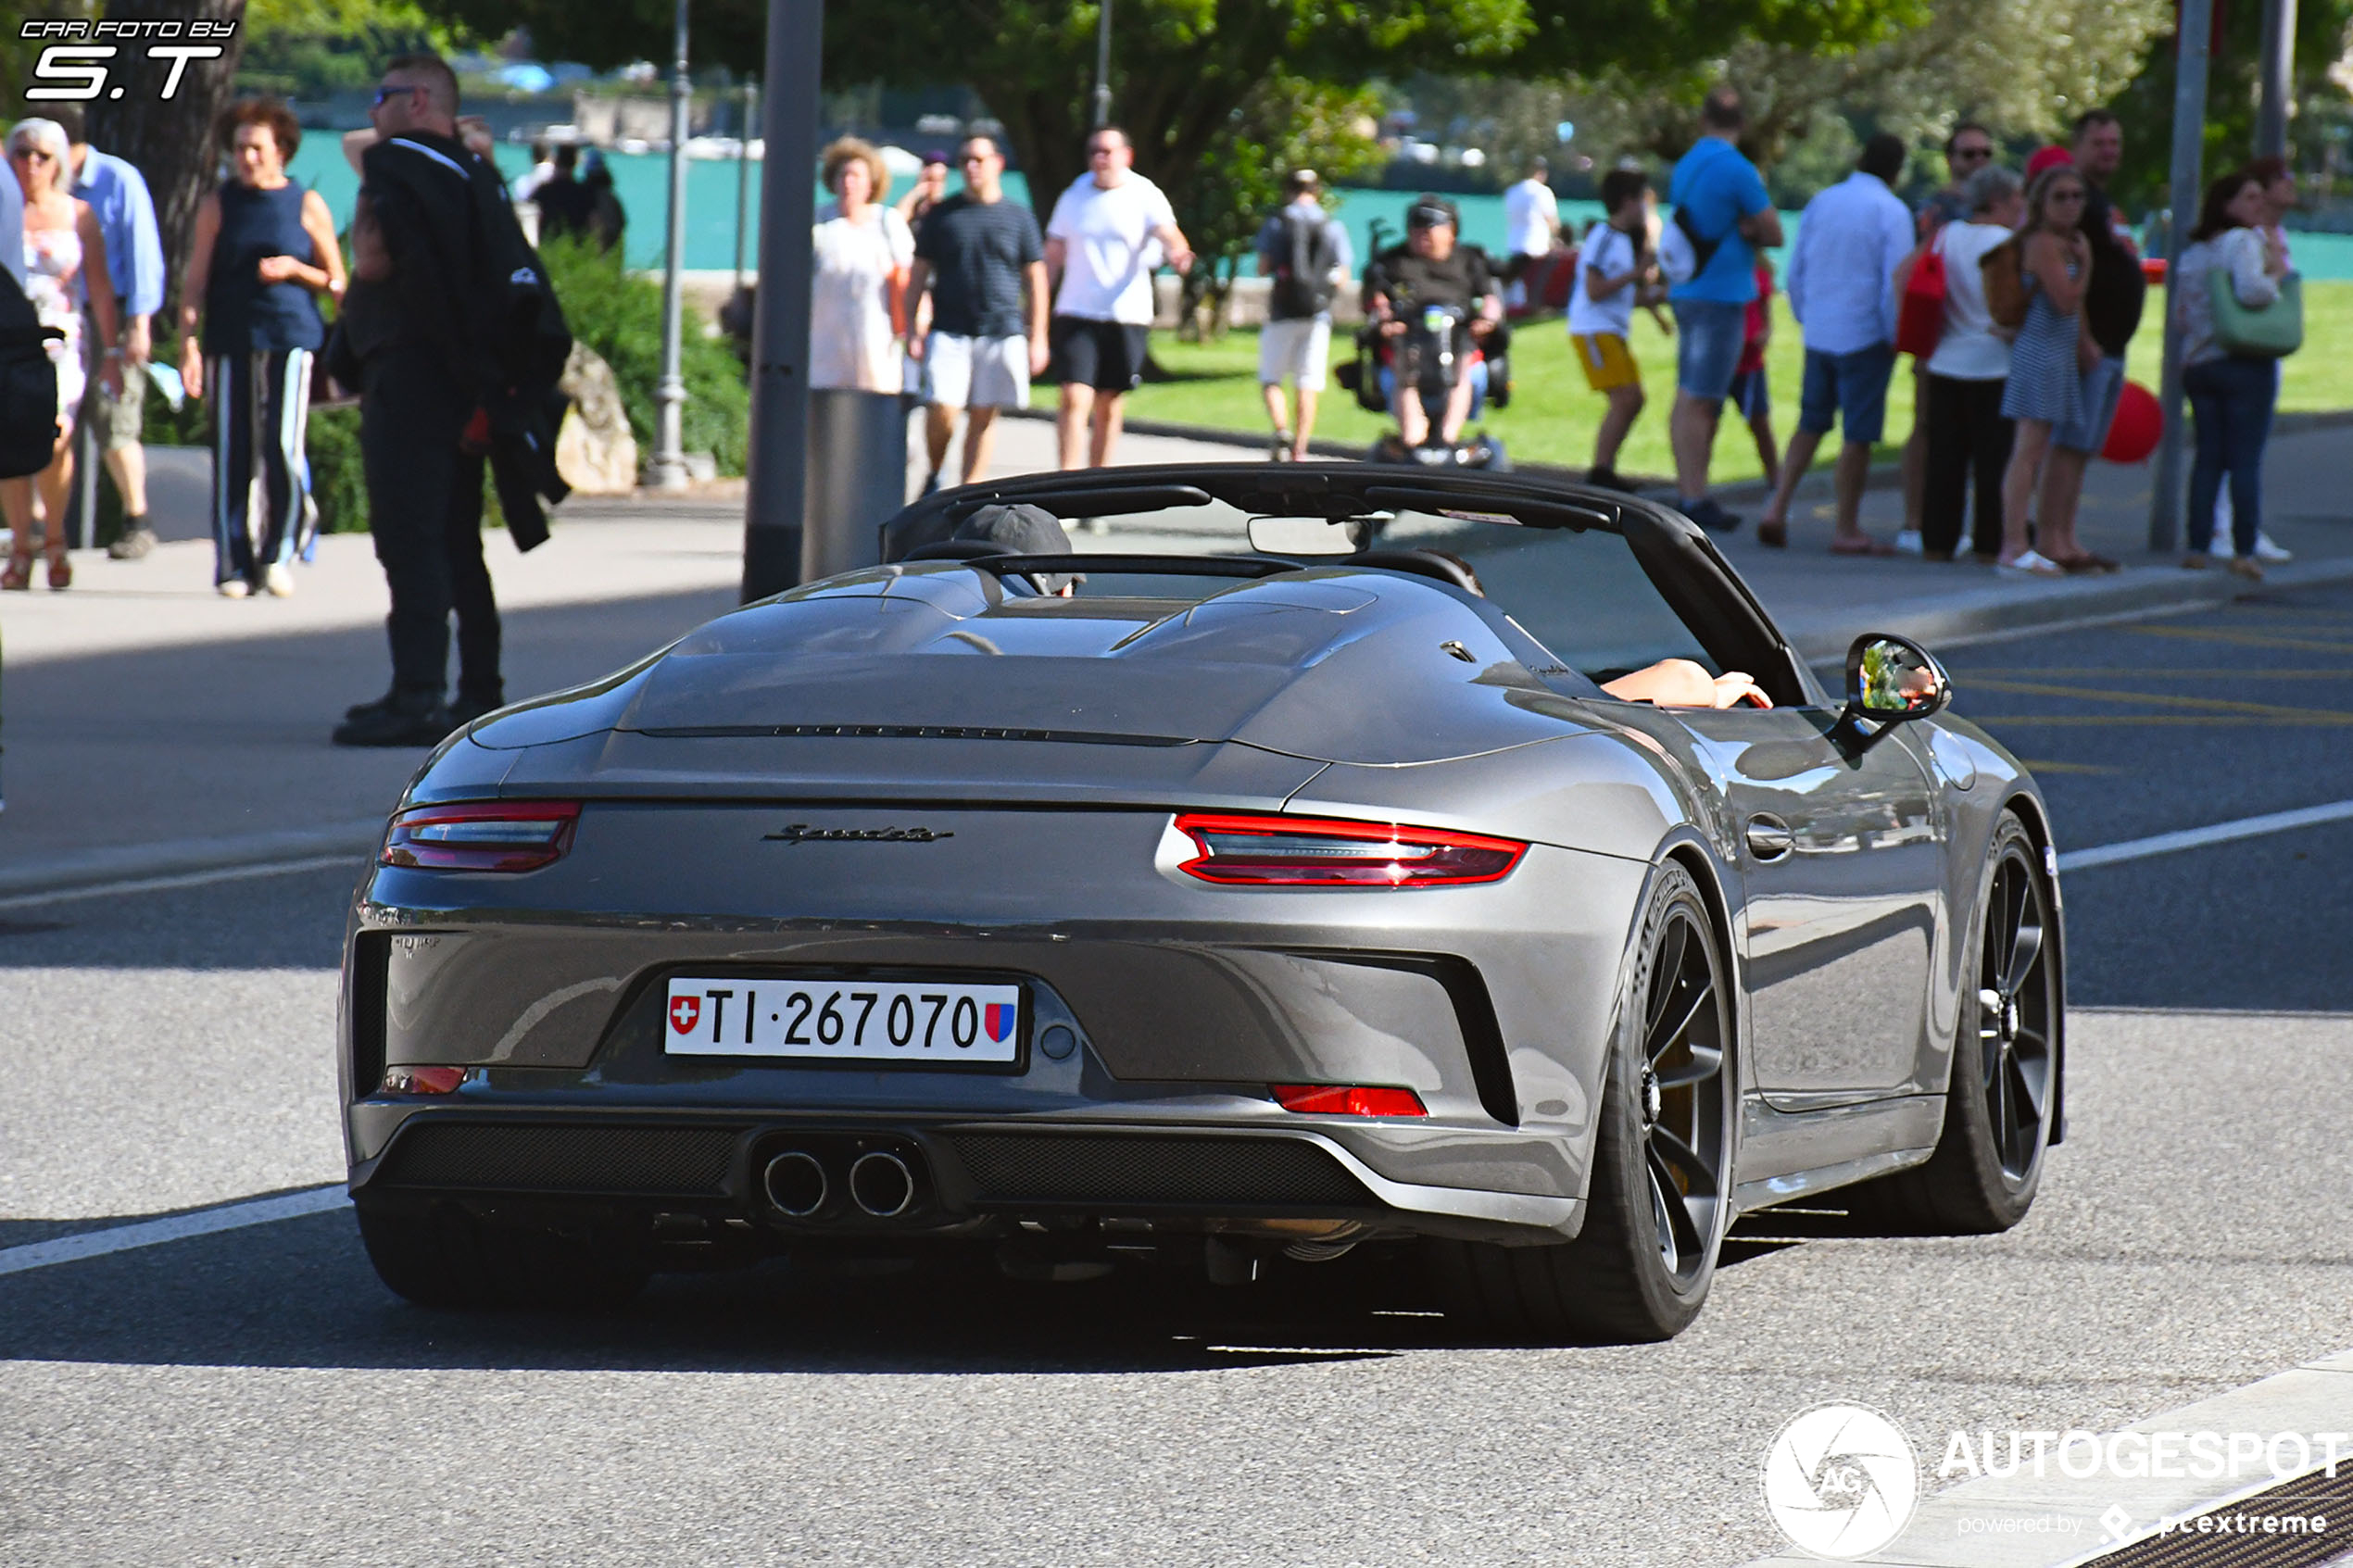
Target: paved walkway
[{"x": 153, "y": 726}]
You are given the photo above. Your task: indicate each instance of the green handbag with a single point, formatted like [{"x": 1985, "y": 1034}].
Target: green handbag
[{"x": 2259, "y": 332}]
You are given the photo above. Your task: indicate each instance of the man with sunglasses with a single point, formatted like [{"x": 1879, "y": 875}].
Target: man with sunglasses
[
  {"x": 1969, "y": 148},
  {"x": 1108, "y": 232},
  {"x": 976, "y": 253},
  {"x": 415, "y": 335}
]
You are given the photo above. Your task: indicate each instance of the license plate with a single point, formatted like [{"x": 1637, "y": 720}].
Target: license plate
[{"x": 888, "y": 1022}]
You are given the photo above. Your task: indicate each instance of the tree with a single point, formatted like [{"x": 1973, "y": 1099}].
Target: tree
[{"x": 1184, "y": 71}]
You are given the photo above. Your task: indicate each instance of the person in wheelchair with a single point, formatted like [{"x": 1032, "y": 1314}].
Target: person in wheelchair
[{"x": 1433, "y": 303}]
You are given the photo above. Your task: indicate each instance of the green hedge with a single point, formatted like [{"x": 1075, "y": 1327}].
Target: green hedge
[{"x": 620, "y": 318}]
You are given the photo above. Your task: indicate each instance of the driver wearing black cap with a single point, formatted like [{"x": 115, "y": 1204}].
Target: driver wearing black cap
[{"x": 1420, "y": 293}]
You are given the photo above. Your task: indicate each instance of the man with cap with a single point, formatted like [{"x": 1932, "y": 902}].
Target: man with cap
[
  {"x": 1025, "y": 531},
  {"x": 1407, "y": 289},
  {"x": 1303, "y": 251}
]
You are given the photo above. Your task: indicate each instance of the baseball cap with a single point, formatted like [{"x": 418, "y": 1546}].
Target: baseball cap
[
  {"x": 1429, "y": 212},
  {"x": 2047, "y": 157},
  {"x": 936, "y": 156},
  {"x": 1026, "y": 530}
]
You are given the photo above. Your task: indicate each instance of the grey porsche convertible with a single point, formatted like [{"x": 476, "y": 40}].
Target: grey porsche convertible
[{"x": 1224, "y": 909}]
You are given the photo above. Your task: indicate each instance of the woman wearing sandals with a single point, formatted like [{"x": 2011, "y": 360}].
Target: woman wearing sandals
[
  {"x": 2047, "y": 361},
  {"x": 64, "y": 255},
  {"x": 2231, "y": 395}
]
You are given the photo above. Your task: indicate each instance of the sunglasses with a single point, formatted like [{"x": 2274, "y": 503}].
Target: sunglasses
[
  {"x": 384, "y": 95},
  {"x": 1972, "y": 153},
  {"x": 36, "y": 155},
  {"x": 1102, "y": 152}
]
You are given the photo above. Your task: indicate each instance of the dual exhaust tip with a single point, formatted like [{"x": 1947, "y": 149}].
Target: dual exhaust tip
[{"x": 881, "y": 1185}]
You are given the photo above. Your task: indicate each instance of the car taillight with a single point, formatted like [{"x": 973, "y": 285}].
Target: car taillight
[
  {"x": 423, "y": 1080},
  {"x": 519, "y": 835},
  {"x": 1321, "y": 852},
  {"x": 1347, "y": 1100}
]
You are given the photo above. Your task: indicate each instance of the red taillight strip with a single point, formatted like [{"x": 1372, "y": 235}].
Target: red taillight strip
[
  {"x": 488, "y": 836},
  {"x": 1347, "y": 1100},
  {"x": 1277, "y": 852}
]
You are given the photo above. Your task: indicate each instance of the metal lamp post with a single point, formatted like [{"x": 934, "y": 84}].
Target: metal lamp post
[
  {"x": 668, "y": 470},
  {"x": 743, "y": 174},
  {"x": 2272, "y": 108},
  {"x": 1102, "y": 66},
  {"x": 776, "y": 495},
  {"x": 2189, "y": 129}
]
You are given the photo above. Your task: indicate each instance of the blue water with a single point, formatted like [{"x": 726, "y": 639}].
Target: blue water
[{"x": 643, "y": 185}]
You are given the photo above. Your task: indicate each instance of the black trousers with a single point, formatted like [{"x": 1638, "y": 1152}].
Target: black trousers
[
  {"x": 425, "y": 511},
  {"x": 1968, "y": 439}
]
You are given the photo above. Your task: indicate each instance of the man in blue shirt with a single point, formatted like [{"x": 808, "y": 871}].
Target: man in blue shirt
[
  {"x": 1721, "y": 206},
  {"x": 126, "y": 215},
  {"x": 1840, "y": 288}
]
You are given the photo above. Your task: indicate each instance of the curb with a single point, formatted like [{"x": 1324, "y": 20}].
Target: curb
[
  {"x": 178, "y": 857},
  {"x": 2014, "y": 1516}
]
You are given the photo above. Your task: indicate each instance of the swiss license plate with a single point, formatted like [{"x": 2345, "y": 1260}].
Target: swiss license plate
[{"x": 888, "y": 1022}]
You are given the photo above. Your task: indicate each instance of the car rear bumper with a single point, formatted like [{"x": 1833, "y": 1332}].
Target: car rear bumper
[{"x": 968, "y": 1177}]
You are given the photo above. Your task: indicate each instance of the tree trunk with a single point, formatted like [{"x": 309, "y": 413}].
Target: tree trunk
[{"x": 170, "y": 140}]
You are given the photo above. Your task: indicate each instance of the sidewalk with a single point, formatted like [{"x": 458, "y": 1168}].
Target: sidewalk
[{"x": 153, "y": 728}]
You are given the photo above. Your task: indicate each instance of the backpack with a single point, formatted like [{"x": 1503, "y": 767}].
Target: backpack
[
  {"x": 1302, "y": 287},
  {"x": 1684, "y": 252},
  {"x": 28, "y": 385},
  {"x": 2004, "y": 271}
]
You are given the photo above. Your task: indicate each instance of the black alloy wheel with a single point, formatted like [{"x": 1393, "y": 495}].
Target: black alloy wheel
[
  {"x": 1681, "y": 1099},
  {"x": 2014, "y": 1014},
  {"x": 1659, "y": 1196},
  {"x": 2000, "y": 1101}
]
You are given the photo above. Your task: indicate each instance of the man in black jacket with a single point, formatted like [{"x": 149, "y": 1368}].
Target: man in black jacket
[{"x": 424, "y": 326}]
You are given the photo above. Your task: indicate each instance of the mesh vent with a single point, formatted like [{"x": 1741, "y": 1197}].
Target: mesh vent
[
  {"x": 620, "y": 1160},
  {"x": 1154, "y": 1170}
]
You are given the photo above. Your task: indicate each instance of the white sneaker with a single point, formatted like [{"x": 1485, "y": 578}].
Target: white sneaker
[
  {"x": 2220, "y": 549},
  {"x": 1908, "y": 543},
  {"x": 278, "y": 581},
  {"x": 234, "y": 588},
  {"x": 2266, "y": 550}
]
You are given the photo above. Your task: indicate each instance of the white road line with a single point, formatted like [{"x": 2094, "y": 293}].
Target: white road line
[
  {"x": 179, "y": 1227},
  {"x": 2195, "y": 838},
  {"x": 185, "y": 879}
]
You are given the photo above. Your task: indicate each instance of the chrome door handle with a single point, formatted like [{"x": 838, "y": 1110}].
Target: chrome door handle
[{"x": 1770, "y": 838}]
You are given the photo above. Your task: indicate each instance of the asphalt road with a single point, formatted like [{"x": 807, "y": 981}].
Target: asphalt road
[{"x": 256, "y": 1397}]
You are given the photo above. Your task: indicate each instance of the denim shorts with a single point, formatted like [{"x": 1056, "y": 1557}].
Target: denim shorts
[
  {"x": 2103, "y": 389},
  {"x": 1709, "y": 335},
  {"x": 1849, "y": 388}
]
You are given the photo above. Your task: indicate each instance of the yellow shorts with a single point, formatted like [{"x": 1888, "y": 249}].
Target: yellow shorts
[{"x": 1608, "y": 364}]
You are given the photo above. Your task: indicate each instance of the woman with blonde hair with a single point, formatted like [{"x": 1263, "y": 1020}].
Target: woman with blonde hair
[
  {"x": 864, "y": 249},
  {"x": 64, "y": 258}
]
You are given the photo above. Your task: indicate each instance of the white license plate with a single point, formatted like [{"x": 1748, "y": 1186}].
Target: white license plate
[{"x": 888, "y": 1022}]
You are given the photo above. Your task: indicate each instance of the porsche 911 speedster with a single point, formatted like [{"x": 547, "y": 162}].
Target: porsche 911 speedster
[{"x": 1235, "y": 908}]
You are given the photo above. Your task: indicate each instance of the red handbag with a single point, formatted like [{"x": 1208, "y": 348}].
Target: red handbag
[{"x": 1919, "y": 317}]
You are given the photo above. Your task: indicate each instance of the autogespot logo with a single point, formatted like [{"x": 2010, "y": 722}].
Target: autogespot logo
[{"x": 1840, "y": 1480}]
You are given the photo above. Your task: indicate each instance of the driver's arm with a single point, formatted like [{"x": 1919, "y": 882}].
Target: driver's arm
[{"x": 1681, "y": 682}]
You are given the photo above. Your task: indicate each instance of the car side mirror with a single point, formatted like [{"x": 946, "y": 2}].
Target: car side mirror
[{"x": 1891, "y": 679}]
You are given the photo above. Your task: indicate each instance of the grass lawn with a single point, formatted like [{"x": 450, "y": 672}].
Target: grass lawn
[{"x": 1552, "y": 416}]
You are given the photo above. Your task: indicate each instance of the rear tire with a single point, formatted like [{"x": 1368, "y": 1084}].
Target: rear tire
[
  {"x": 2003, "y": 1093},
  {"x": 447, "y": 1258},
  {"x": 1658, "y": 1200}
]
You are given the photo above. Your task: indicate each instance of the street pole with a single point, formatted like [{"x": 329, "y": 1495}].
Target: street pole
[
  {"x": 1102, "y": 66},
  {"x": 669, "y": 472},
  {"x": 2188, "y": 180},
  {"x": 743, "y": 174},
  {"x": 777, "y": 492},
  {"x": 2279, "y": 79}
]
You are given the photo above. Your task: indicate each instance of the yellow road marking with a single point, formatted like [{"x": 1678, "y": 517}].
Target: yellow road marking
[
  {"x": 2066, "y": 767},
  {"x": 2150, "y": 672},
  {"x": 2243, "y": 639},
  {"x": 2321, "y": 720},
  {"x": 2162, "y": 699}
]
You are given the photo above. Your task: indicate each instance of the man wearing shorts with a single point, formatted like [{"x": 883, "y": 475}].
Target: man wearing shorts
[
  {"x": 1108, "y": 232},
  {"x": 974, "y": 253},
  {"x": 1842, "y": 289},
  {"x": 126, "y": 214},
  {"x": 1304, "y": 250},
  {"x": 1613, "y": 269},
  {"x": 1721, "y": 203}
]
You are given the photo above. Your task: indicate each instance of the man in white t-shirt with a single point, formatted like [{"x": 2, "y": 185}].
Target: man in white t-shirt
[
  {"x": 1531, "y": 222},
  {"x": 1107, "y": 233}
]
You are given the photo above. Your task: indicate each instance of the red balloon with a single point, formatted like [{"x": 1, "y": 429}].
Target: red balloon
[{"x": 2133, "y": 434}]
